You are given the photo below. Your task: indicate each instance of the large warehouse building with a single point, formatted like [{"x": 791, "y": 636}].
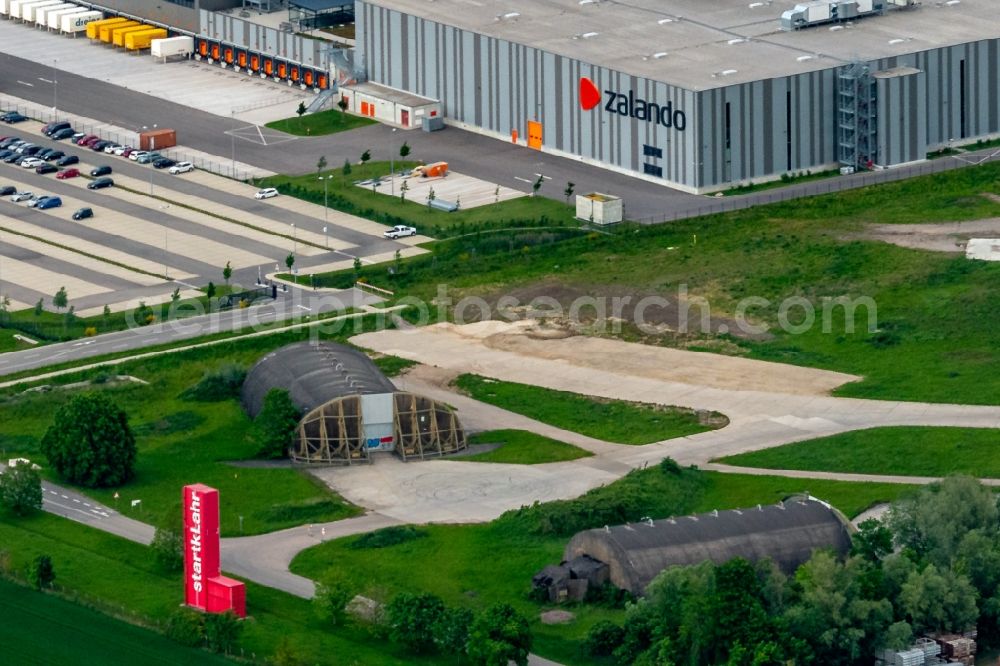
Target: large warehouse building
[{"x": 698, "y": 94}]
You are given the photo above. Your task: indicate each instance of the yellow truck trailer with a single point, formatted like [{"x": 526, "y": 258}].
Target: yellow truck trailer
[
  {"x": 104, "y": 34},
  {"x": 118, "y": 35},
  {"x": 94, "y": 27},
  {"x": 137, "y": 41}
]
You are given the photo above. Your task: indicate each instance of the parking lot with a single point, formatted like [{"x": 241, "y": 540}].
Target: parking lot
[{"x": 154, "y": 232}]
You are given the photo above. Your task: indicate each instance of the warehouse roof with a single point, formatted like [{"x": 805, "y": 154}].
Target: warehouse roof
[
  {"x": 313, "y": 374},
  {"x": 787, "y": 533},
  {"x": 704, "y": 44}
]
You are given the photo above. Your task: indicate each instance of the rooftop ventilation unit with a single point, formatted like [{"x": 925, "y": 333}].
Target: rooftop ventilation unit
[{"x": 817, "y": 12}]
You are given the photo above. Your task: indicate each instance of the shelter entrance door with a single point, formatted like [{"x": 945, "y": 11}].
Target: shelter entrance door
[
  {"x": 534, "y": 134},
  {"x": 377, "y": 422}
]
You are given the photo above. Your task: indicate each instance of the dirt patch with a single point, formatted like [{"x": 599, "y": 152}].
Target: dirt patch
[
  {"x": 556, "y": 617},
  {"x": 949, "y": 237}
]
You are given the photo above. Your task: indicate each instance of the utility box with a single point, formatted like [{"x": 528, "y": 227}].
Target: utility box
[
  {"x": 598, "y": 208},
  {"x": 157, "y": 139}
]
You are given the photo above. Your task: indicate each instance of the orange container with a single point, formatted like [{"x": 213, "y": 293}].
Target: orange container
[{"x": 157, "y": 139}]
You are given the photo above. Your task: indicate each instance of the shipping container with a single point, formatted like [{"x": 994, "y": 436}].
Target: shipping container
[
  {"x": 4, "y": 7},
  {"x": 42, "y": 13},
  {"x": 17, "y": 6},
  {"x": 157, "y": 139},
  {"x": 94, "y": 29},
  {"x": 28, "y": 10},
  {"x": 118, "y": 34},
  {"x": 106, "y": 32},
  {"x": 137, "y": 41},
  {"x": 172, "y": 46},
  {"x": 74, "y": 23},
  {"x": 53, "y": 19}
]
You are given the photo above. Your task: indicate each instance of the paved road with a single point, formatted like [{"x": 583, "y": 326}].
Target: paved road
[{"x": 294, "y": 305}]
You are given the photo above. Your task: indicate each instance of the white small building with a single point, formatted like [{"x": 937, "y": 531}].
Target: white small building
[
  {"x": 598, "y": 208},
  {"x": 390, "y": 106}
]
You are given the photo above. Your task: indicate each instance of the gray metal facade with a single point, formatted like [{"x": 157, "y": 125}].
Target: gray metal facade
[
  {"x": 182, "y": 15},
  {"x": 246, "y": 34},
  {"x": 750, "y": 131}
]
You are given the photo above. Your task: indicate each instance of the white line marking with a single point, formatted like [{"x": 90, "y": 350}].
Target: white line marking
[
  {"x": 45, "y": 80},
  {"x": 64, "y": 496},
  {"x": 261, "y": 134},
  {"x": 76, "y": 500},
  {"x": 25, "y": 83},
  {"x": 304, "y": 307}
]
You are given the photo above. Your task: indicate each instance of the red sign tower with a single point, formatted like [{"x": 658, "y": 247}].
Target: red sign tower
[{"x": 205, "y": 587}]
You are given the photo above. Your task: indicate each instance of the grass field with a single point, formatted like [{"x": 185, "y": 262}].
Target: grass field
[
  {"x": 183, "y": 441},
  {"x": 85, "y": 636},
  {"x": 610, "y": 420},
  {"x": 344, "y": 195},
  {"x": 905, "y": 450},
  {"x": 330, "y": 121},
  {"x": 523, "y": 448}
]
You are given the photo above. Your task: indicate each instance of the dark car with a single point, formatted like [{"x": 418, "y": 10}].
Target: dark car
[
  {"x": 46, "y": 168},
  {"x": 102, "y": 170},
  {"x": 5, "y": 153},
  {"x": 13, "y": 117},
  {"x": 164, "y": 163},
  {"x": 83, "y": 214},
  {"x": 54, "y": 155},
  {"x": 100, "y": 145},
  {"x": 6, "y": 143},
  {"x": 54, "y": 127},
  {"x": 100, "y": 183},
  {"x": 67, "y": 160},
  {"x": 43, "y": 154},
  {"x": 32, "y": 151},
  {"x": 13, "y": 157},
  {"x": 7, "y": 190},
  {"x": 66, "y": 133}
]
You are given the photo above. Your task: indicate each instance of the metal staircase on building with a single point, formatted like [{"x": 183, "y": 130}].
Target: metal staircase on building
[
  {"x": 323, "y": 100},
  {"x": 856, "y": 116}
]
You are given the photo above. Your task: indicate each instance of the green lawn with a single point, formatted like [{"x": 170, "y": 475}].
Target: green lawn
[
  {"x": 182, "y": 441},
  {"x": 904, "y": 450},
  {"x": 330, "y": 121},
  {"x": 610, "y": 420},
  {"x": 31, "y": 619},
  {"x": 523, "y": 448},
  {"x": 344, "y": 195}
]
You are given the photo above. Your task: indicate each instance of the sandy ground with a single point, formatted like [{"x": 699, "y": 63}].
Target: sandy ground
[
  {"x": 638, "y": 360},
  {"x": 943, "y": 237}
]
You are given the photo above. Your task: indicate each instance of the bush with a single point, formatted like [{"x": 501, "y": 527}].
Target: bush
[
  {"x": 21, "y": 490},
  {"x": 500, "y": 635},
  {"x": 186, "y": 627},
  {"x": 90, "y": 442},
  {"x": 330, "y": 601},
  {"x": 222, "y": 631},
  {"x": 387, "y": 536},
  {"x": 41, "y": 572},
  {"x": 274, "y": 427},
  {"x": 603, "y": 638},
  {"x": 413, "y": 618},
  {"x": 168, "y": 542},
  {"x": 220, "y": 384}
]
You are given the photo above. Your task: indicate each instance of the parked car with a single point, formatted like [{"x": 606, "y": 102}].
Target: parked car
[
  {"x": 49, "y": 202},
  {"x": 100, "y": 183},
  {"x": 83, "y": 214},
  {"x": 5, "y": 153},
  {"x": 24, "y": 147},
  {"x": 18, "y": 197},
  {"x": 35, "y": 198},
  {"x": 400, "y": 231},
  {"x": 163, "y": 163},
  {"x": 99, "y": 146},
  {"x": 7, "y": 190},
  {"x": 12, "y": 117},
  {"x": 31, "y": 162},
  {"x": 111, "y": 147},
  {"x": 102, "y": 170},
  {"x": 45, "y": 168},
  {"x": 12, "y": 158},
  {"x": 82, "y": 141},
  {"x": 122, "y": 150},
  {"x": 8, "y": 141},
  {"x": 266, "y": 193},
  {"x": 148, "y": 157},
  {"x": 32, "y": 151},
  {"x": 67, "y": 160},
  {"x": 127, "y": 152},
  {"x": 181, "y": 167},
  {"x": 66, "y": 133},
  {"x": 55, "y": 126},
  {"x": 54, "y": 155},
  {"x": 44, "y": 153},
  {"x": 136, "y": 154},
  {"x": 77, "y": 136},
  {"x": 90, "y": 142},
  {"x": 71, "y": 172}
]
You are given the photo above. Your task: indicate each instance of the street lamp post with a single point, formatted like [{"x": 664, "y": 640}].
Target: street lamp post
[
  {"x": 55, "y": 91},
  {"x": 295, "y": 242},
  {"x": 392, "y": 165},
  {"x": 232, "y": 138},
  {"x": 326, "y": 195},
  {"x": 166, "y": 249},
  {"x": 152, "y": 148},
  {"x": 326, "y": 239}
]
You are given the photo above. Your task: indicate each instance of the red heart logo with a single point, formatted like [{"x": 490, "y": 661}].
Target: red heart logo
[{"x": 590, "y": 96}]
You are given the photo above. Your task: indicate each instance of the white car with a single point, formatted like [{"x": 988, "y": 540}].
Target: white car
[
  {"x": 136, "y": 154},
  {"x": 111, "y": 148},
  {"x": 31, "y": 162},
  {"x": 181, "y": 167},
  {"x": 119, "y": 150},
  {"x": 400, "y": 231},
  {"x": 266, "y": 193},
  {"x": 21, "y": 196},
  {"x": 37, "y": 199}
]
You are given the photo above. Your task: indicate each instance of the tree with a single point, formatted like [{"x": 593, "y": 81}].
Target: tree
[
  {"x": 431, "y": 196},
  {"x": 403, "y": 189},
  {"x": 346, "y": 170},
  {"x": 343, "y": 104},
  {"x": 939, "y": 600},
  {"x": 568, "y": 192},
  {"x": 290, "y": 260},
  {"x": 21, "y": 489},
  {"x": 60, "y": 300},
  {"x": 301, "y": 110},
  {"x": 397, "y": 262},
  {"x": 357, "y": 268},
  {"x": 274, "y": 427},
  {"x": 499, "y": 635},
  {"x": 873, "y": 540},
  {"x": 737, "y": 609},
  {"x": 41, "y": 573},
  {"x": 107, "y": 309},
  {"x": 452, "y": 631},
  {"x": 38, "y": 307},
  {"x": 603, "y": 638},
  {"x": 227, "y": 272},
  {"x": 168, "y": 541},
  {"x": 176, "y": 296},
  {"x": 331, "y": 599},
  {"x": 365, "y": 156},
  {"x": 287, "y": 655},
  {"x": 321, "y": 164},
  {"x": 186, "y": 627},
  {"x": 90, "y": 443},
  {"x": 412, "y": 619},
  {"x": 404, "y": 150},
  {"x": 210, "y": 290},
  {"x": 537, "y": 185},
  {"x": 222, "y": 631}
]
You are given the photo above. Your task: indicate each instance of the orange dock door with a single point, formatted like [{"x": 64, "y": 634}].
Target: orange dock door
[
  {"x": 203, "y": 49},
  {"x": 534, "y": 134}
]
